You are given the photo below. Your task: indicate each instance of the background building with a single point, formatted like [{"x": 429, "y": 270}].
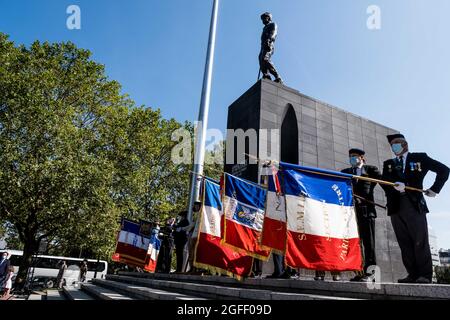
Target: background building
[
  {"x": 433, "y": 247},
  {"x": 444, "y": 257}
]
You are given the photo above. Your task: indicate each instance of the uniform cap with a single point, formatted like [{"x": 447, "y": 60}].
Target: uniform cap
[
  {"x": 356, "y": 151},
  {"x": 395, "y": 136}
]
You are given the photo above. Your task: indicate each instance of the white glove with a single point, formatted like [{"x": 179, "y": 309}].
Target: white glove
[
  {"x": 399, "y": 186},
  {"x": 430, "y": 193}
]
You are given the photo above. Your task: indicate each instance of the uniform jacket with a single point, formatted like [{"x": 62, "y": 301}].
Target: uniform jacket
[
  {"x": 180, "y": 236},
  {"x": 365, "y": 189},
  {"x": 417, "y": 166},
  {"x": 4, "y": 266}
]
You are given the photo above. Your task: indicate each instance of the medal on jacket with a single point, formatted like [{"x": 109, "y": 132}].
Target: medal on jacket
[
  {"x": 390, "y": 168},
  {"x": 419, "y": 166},
  {"x": 413, "y": 166}
]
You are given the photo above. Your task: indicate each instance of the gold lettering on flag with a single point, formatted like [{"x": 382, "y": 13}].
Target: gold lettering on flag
[
  {"x": 301, "y": 218},
  {"x": 326, "y": 220},
  {"x": 344, "y": 246},
  {"x": 345, "y": 241}
]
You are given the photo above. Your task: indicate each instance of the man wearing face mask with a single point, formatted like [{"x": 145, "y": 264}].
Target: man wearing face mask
[
  {"x": 365, "y": 208},
  {"x": 408, "y": 209},
  {"x": 4, "y": 267}
]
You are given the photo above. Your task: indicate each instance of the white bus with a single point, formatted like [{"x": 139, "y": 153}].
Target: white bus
[{"x": 46, "y": 268}]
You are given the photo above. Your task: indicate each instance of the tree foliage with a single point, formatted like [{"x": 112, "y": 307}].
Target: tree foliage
[{"x": 76, "y": 154}]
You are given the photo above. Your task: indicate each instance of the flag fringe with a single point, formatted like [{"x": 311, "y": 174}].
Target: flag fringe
[
  {"x": 243, "y": 251},
  {"x": 217, "y": 270}
]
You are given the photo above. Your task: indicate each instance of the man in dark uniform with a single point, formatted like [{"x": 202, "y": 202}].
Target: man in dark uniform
[
  {"x": 181, "y": 238},
  {"x": 164, "y": 262},
  {"x": 4, "y": 267},
  {"x": 268, "y": 37},
  {"x": 365, "y": 208},
  {"x": 408, "y": 209}
]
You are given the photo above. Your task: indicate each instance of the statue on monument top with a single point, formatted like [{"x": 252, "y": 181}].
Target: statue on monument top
[{"x": 268, "y": 37}]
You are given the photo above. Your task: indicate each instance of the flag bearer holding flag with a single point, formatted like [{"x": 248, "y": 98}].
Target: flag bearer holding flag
[
  {"x": 365, "y": 208},
  {"x": 408, "y": 209}
]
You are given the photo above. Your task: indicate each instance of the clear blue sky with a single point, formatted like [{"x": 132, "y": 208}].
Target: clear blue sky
[{"x": 398, "y": 76}]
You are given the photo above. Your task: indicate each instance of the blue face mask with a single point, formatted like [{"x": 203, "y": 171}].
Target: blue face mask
[
  {"x": 354, "y": 161},
  {"x": 397, "y": 148}
]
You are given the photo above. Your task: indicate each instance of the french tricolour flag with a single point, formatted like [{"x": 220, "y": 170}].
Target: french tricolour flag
[
  {"x": 244, "y": 206},
  {"x": 274, "y": 228},
  {"x": 131, "y": 247},
  {"x": 210, "y": 253},
  {"x": 152, "y": 253},
  {"x": 322, "y": 233}
]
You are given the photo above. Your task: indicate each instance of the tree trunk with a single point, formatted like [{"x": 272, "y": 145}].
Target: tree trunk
[{"x": 30, "y": 247}]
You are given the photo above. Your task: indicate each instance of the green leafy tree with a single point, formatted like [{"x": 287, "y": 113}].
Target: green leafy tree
[{"x": 76, "y": 154}]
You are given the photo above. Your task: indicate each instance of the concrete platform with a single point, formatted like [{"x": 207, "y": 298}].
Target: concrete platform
[
  {"x": 217, "y": 291},
  {"x": 55, "y": 295},
  {"x": 346, "y": 289},
  {"x": 76, "y": 294},
  {"x": 135, "y": 289},
  {"x": 103, "y": 293}
]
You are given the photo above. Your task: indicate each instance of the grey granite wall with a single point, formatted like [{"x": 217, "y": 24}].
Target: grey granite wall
[{"x": 325, "y": 134}]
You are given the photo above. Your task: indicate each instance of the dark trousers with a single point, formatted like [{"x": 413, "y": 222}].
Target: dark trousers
[
  {"x": 266, "y": 64},
  {"x": 411, "y": 230},
  {"x": 366, "y": 229},
  {"x": 179, "y": 248},
  {"x": 257, "y": 267},
  {"x": 278, "y": 264},
  {"x": 164, "y": 262}
]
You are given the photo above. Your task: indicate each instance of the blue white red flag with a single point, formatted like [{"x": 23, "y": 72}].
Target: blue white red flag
[
  {"x": 274, "y": 228},
  {"x": 322, "y": 231},
  {"x": 210, "y": 253},
  {"x": 132, "y": 245},
  {"x": 244, "y": 205},
  {"x": 152, "y": 253}
]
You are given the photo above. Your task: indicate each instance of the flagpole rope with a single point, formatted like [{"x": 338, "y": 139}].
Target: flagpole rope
[{"x": 392, "y": 184}]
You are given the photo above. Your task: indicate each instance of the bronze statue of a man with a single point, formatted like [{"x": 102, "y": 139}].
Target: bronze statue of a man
[{"x": 268, "y": 37}]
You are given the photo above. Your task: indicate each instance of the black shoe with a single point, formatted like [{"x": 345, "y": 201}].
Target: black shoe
[
  {"x": 367, "y": 278},
  {"x": 423, "y": 280},
  {"x": 285, "y": 275},
  {"x": 408, "y": 279},
  {"x": 274, "y": 276},
  {"x": 356, "y": 278},
  {"x": 278, "y": 80},
  {"x": 319, "y": 278},
  {"x": 267, "y": 77}
]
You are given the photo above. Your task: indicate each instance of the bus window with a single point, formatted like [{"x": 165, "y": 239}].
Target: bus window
[
  {"x": 93, "y": 265},
  {"x": 15, "y": 260}
]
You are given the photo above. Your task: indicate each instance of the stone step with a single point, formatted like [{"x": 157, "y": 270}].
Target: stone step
[
  {"x": 218, "y": 291},
  {"x": 143, "y": 292},
  {"x": 55, "y": 295},
  {"x": 346, "y": 289},
  {"x": 73, "y": 293},
  {"x": 103, "y": 293}
]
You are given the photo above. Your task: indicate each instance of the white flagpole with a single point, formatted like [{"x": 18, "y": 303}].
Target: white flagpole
[{"x": 202, "y": 124}]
